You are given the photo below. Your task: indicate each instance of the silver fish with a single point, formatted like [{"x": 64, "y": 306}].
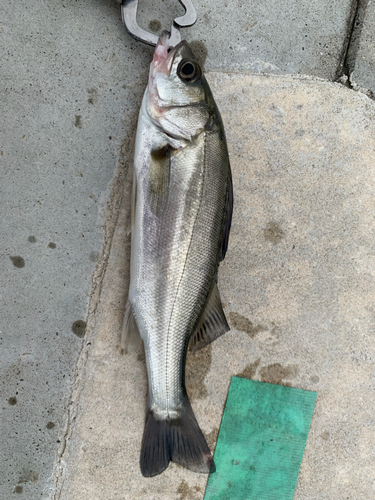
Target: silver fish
[{"x": 181, "y": 216}]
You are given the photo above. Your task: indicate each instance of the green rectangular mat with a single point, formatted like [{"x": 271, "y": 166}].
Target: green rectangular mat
[{"x": 261, "y": 442}]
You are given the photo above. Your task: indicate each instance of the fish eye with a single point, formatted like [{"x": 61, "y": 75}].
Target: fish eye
[{"x": 189, "y": 71}]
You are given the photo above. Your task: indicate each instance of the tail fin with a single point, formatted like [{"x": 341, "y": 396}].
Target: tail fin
[{"x": 179, "y": 440}]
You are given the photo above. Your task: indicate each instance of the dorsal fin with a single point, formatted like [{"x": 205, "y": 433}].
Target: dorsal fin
[
  {"x": 227, "y": 219},
  {"x": 212, "y": 324}
]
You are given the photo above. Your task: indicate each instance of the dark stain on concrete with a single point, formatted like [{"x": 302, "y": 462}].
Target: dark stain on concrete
[
  {"x": 187, "y": 492},
  {"x": 12, "y": 401},
  {"x": 141, "y": 356},
  {"x": 92, "y": 96},
  {"x": 18, "y": 489},
  {"x": 28, "y": 476},
  {"x": 250, "y": 370},
  {"x": 79, "y": 328},
  {"x": 94, "y": 256},
  {"x": 31, "y": 239},
  {"x": 78, "y": 121},
  {"x": 244, "y": 324},
  {"x": 154, "y": 26},
  {"x": 273, "y": 232},
  {"x": 50, "y": 425},
  {"x": 276, "y": 373},
  {"x": 197, "y": 367},
  {"x": 314, "y": 379},
  {"x": 200, "y": 51},
  {"x": 17, "y": 261},
  {"x": 325, "y": 436},
  {"x": 51, "y": 245}
]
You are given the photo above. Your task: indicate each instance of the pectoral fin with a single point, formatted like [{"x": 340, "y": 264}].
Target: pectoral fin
[
  {"x": 212, "y": 324},
  {"x": 158, "y": 179}
]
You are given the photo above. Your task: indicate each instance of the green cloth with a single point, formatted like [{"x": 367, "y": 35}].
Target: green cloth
[{"x": 261, "y": 442}]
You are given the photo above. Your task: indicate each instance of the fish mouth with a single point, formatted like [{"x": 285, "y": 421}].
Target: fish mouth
[{"x": 164, "y": 55}]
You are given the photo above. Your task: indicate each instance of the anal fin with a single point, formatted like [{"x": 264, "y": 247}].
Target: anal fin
[
  {"x": 130, "y": 337},
  {"x": 212, "y": 324}
]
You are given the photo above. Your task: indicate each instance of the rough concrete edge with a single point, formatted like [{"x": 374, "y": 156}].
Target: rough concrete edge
[
  {"x": 344, "y": 81},
  {"x": 110, "y": 213}
]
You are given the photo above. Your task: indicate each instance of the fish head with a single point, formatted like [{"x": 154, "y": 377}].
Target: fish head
[{"x": 176, "y": 96}]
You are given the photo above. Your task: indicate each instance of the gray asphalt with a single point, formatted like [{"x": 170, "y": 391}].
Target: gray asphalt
[{"x": 71, "y": 84}]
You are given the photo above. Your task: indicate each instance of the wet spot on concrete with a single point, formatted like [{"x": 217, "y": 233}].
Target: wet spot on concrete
[
  {"x": 78, "y": 121},
  {"x": 50, "y": 425},
  {"x": 94, "y": 256},
  {"x": 52, "y": 245},
  {"x": 18, "y": 489},
  {"x": 197, "y": 367},
  {"x": 276, "y": 373},
  {"x": 244, "y": 324},
  {"x": 92, "y": 96},
  {"x": 12, "y": 401},
  {"x": 79, "y": 328},
  {"x": 17, "y": 261},
  {"x": 273, "y": 232},
  {"x": 187, "y": 492},
  {"x": 250, "y": 370},
  {"x": 154, "y": 26},
  {"x": 325, "y": 436},
  {"x": 28, "y": 476},
  {"x": 211, "y": 438},
  {"x": 141, "y": 356},
  {"x": 200, "y": 51},
  {"x": 31, "y": 239},
  {"x": 314, "y": 379},
  {"x": 299, "y": 132}
]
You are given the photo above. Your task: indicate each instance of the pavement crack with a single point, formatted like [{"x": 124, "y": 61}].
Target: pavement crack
[{"x": 351, "y": 46}]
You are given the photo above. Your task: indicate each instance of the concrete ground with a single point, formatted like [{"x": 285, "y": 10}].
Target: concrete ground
[{"x": 297, "y": 282}]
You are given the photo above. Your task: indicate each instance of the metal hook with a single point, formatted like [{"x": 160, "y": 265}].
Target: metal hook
[{"x": 129, "y": 17}]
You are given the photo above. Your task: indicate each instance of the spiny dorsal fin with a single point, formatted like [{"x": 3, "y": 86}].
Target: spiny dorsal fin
[
  {"x": 227, "y": 219},
  {"x": 130, "y": 337},
  {"x": 212, "y": 324}
]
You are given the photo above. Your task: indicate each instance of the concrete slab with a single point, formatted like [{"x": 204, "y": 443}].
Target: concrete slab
[
  {"x": 361, "y": 64},
  {"x": 67, "y": 105},
  {"x": 298, "y": 289}
]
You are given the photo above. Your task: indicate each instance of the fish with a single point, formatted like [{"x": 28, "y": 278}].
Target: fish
[{"x": 182, "y": 204}]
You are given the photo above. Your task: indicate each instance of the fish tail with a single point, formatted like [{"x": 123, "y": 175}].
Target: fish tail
[{"x": 179, "y": 440}]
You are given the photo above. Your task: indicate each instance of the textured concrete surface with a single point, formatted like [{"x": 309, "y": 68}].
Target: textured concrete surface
[
  {"x": 361, "y": 55},
  {"x": 265, "y": 36},
  {"x": 298, "y": 289},
  {"x": 71, "y": 84},
  {"x": 65, "y": 112}
]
